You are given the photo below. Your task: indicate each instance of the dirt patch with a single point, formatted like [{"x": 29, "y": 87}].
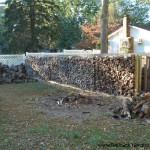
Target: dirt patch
[{"x": 78, "y": 106}]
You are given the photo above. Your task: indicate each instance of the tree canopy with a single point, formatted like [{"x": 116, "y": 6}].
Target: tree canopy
[
  {"x": 40, "y": 25},
  {"x": 30, "y": 24}
]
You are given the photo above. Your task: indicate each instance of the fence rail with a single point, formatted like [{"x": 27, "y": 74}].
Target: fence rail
[{"x": 12, "y": 59}]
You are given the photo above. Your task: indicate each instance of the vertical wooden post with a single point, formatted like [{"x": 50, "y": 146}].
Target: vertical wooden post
[
  {"x": 140, "y": 73},
  {"x": 148, "y": 73},
  {"x": 136, "y": 74},
  {"x": 145, "y": 72}
]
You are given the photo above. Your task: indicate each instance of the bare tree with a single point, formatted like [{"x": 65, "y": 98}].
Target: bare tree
[{"x": 104, "y": 26}]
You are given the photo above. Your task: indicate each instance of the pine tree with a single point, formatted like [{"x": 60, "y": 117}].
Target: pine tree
[{"x": 31, "y": 24}]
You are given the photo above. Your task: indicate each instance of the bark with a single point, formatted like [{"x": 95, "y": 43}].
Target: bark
[
  {"x": 32, "y": 25},
  {"x": 104, "y": 27}
]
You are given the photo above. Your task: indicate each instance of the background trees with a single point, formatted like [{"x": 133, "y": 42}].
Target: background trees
[
  {"x": 72, "y": 15},
  {"x": 137, "y": 10},
  {"x": 3, "y": 43},
  {"x": 41, "y": 25},
  {"x": 31, "y": 25}
]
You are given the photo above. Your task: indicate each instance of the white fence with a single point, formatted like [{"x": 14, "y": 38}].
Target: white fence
[
  {"x": 82, "y": 52},
  {"x": 43, "y": 54},
  {"x": 18, "y": 59},
  {"x": 12, "y": 59}
]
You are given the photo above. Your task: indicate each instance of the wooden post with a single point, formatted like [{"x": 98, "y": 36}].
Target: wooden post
[
  {"x": 140, "y": 73},
  {"x": 145, "y": 62},
  {"x": 136, "y": 74},
  {"x": 148, "y": 73}
]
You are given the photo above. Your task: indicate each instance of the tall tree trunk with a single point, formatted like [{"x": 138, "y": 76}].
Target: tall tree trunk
[
  {"x": 32, "y": 25},
  {"x": 104, "y": 27}
]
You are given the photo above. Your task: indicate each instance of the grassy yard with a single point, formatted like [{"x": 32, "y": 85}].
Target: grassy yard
[{"x": 26, "y": 126}]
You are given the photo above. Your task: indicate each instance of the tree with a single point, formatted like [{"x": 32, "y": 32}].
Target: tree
[
  {"x": 137, "y": 10},
  {"x": 81, "y": 10},
  {"x": 31, "y": 24},
  {"x": 104, "y": 27},
  {"x": 3, "y": 43},
  {"x": 70, "y": 33},
  {"x": 91, "y": 31},
  {"x": 71, "y": 15}
]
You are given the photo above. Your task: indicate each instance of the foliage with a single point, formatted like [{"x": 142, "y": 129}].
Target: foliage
[
  {"x": 3, "y": 43},
  {"x": 81, "y": 10},
  {"x": 72, "y": 14},
  {"x": 138, "y": 11},
  {"x": 70, "y": 33},
  {"x": 91, "y": 34},
  {"x": 56, "y": 24},
  {"x": 30, "y": 24}
]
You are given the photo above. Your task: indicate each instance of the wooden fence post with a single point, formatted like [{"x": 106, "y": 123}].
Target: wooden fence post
[
  {"x": 145, "y": 64},
  {"x": 138, "y": 73}
]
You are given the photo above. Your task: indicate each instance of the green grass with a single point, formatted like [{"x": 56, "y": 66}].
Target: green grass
[{"x": 23, "y": 125}]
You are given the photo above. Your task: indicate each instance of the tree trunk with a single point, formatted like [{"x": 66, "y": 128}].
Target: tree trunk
[
  {"x": 104, "y": 27},
  {"x": 32, "y": 26}
]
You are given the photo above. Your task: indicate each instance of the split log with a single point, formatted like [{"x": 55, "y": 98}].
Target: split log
[{"x": 139, "y": 107}]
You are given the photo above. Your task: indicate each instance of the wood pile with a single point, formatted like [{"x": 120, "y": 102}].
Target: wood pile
[
  {"x": 12, "y": 73},
  {"x": 37, "y": 67},
  {"x": 137, "y": 107},
  {"x": 73, "y": 70},
  {"x": 112, "y": 75},
  {"x": 115, "y": 75}
]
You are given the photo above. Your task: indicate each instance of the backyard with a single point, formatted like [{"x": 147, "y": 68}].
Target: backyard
[{"x": 33, "y": 116}]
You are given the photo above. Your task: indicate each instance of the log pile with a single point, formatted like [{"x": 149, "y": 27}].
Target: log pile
[
  {"x": 81, "y": 72},
  {"x": 112, "y": 75},
  {"x": 137, "y": 107},
  {"x": 37, "y": 68},
  {"x": 73, "y": 70},
  {"x": 12, "y": 73},
  {"x": 115, "y": 75}
]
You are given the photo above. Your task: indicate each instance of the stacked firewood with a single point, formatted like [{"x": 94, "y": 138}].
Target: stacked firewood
[
  {"x": 115, "y": 75},
  {"x": 38, "y": 67},
  {"x": 72, "y": 70},
  {"x": 12, "y": 73},
  {"x": 137, "y": 107},
  {"x": 141, "y": 105}
]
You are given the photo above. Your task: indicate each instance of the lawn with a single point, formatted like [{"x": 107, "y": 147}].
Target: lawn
[{"x": 25, "y": 125}]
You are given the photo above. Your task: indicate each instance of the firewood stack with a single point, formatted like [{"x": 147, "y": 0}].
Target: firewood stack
[
  {"x": 12, "y": 73},
  {"x": 115, "y": 75},
  {"x": 37, "y": 67},
  {"x": 112, "y": 75},
  {"x": 72, "y": 70}
]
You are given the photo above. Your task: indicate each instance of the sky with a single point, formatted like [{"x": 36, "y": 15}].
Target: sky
[{"x": 2, "y": 1}]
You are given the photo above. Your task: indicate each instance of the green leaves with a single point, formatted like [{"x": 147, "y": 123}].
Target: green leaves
[
  {"x": 70, "y": 32},
  {"x": 28, "y": 24},
  {"x": 138, "y": 11}
]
